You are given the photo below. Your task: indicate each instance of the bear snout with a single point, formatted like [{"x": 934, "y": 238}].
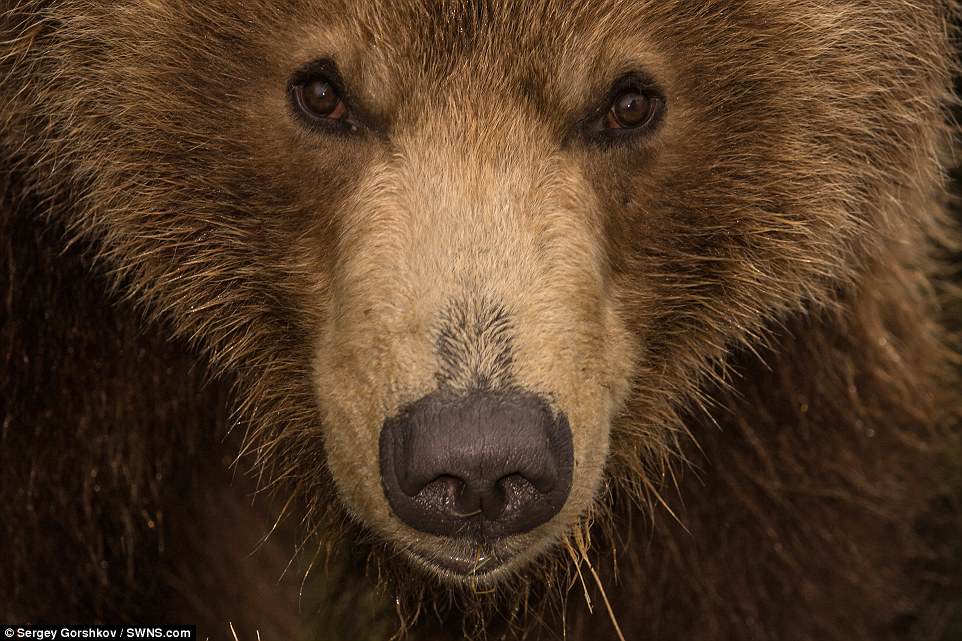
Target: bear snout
[{"x": 480, "y": 467}]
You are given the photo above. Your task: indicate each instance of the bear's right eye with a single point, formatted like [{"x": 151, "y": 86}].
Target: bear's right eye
[{"x": 317, "y": 98}]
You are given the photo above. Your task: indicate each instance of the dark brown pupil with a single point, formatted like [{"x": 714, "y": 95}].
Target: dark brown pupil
[
  {"x": 631, "y": 109},
  {"x": 320, "y": 97}
]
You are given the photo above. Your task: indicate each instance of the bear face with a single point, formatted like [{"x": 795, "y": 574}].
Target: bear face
[{"x": 396, "y": 235}]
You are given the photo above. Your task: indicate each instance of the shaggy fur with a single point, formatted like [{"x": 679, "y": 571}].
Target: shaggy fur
[{"x": 739, "y": 312}]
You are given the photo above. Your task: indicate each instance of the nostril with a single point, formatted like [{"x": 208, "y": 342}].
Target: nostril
[
  {"x": 519, "y": 491},
  {"x": 444, "y": 490},
  {"x": 543, "y": 479}
]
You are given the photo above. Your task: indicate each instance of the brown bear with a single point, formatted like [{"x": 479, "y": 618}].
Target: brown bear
[{"x": 583, "y": 319}]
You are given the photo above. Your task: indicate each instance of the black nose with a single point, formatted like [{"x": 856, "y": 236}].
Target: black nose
[{"x": 483, "y": 466}]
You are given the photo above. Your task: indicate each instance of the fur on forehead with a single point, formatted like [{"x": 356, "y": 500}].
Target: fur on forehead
[{"x": 562, "y": 55}]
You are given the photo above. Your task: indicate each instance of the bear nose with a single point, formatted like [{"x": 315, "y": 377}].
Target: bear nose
[{"x": 483, "y": 466}]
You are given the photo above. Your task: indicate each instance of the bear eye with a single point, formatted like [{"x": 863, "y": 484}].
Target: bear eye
[
  {"x": 631, "y": 109},
  {"x": 318, "y": 98}
]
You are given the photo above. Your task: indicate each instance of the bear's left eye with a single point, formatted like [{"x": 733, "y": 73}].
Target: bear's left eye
[{"x": 631, "y": 109}]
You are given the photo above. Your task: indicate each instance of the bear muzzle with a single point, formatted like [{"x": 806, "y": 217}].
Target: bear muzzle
[{"x": 477, "y": 468}]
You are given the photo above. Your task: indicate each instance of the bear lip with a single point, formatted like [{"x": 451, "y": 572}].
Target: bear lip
[{"x": 474, "y": 565}]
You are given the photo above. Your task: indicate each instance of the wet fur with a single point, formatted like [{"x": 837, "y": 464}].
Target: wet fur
[{"x": 783, "y": 399}]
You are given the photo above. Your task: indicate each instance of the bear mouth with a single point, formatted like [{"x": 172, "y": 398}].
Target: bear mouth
[{"x": 471, "y": 564}]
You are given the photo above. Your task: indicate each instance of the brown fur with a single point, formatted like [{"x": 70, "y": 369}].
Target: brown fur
[{"x": 739, "y": 315}]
